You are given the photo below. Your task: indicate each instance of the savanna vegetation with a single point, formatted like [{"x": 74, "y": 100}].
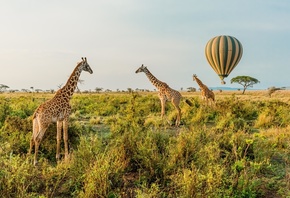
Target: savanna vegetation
[{"x": 120, "y": 147}]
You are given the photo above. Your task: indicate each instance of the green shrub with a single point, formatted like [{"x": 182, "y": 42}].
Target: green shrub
[{"x": 120, "y": 147}]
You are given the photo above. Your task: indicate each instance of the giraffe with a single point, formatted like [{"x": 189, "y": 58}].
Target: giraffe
[
  {"x": 57, "y": 110},
  {"x": 205, "y": 92},
  {"x": 164, "y": 93}
]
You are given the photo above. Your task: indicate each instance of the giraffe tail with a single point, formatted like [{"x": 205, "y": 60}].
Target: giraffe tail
[{"x": 188, "y": 102}]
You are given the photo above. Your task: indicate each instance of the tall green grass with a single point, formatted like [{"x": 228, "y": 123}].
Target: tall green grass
[{"x": 120, "y": 147}]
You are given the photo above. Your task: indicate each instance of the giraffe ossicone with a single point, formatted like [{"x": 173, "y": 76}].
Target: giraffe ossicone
[{"x": 57, "y": 110}]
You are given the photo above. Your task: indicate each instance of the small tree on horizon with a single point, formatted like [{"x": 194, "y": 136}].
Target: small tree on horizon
[
  {"x": 3, "y": 88},
  {"x": 98, "y": 89},
  {"x": 191, "y": 89},
  {"x": 130, "y": 90},
  {"x": 245, "y": 81}
]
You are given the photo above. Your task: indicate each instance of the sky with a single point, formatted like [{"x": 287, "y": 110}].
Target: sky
[{"x": 41, "y": 42}]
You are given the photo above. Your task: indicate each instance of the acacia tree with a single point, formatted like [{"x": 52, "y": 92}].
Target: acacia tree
[
  {"x": 245, "y": 81},
  {"x": 98, "y": 89},
  {"x": 3, "y": 88},
  {"x": 191, "y": 89}
]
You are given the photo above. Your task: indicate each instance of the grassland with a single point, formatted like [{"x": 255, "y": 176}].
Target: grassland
[{"x": 120, "y": 147}]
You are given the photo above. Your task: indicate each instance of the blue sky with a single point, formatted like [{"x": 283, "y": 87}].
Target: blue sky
[{"x": 41, "y": 41}]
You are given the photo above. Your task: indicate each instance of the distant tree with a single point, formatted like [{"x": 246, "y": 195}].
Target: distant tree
[
  {"x": 191, "y": 89},
  {"x": 130, "y": 90},
  {"x": 78, "y": 90},
  {"x": 59, "y": 86},
  {"x": 245, "y": 81},
  {"x": 81, "y": 82},
  {"x": 98, "y": 89},
  {"x": 3, "y": 88},
  {"x": 13, "y": 90},
  {"x": 25, "y": 90},
  {"x": 38, "y": 90}
]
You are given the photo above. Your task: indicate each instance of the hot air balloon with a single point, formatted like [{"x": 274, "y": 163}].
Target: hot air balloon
[{"x": 223, "y": 53}]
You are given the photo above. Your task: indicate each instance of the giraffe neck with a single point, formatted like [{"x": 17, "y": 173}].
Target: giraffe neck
[
  {"x": 200, "y": 84},
  {"x": 68, "y": 89},
  {"x": 157, "y": 83}
]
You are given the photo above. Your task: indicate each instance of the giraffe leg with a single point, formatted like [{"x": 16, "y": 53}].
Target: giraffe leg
[
  {"x": 35, "y": 130},
  {"x": 177, "y": 123},
  {"x": 31, "y": 145},
  {"x": 37, "y": 139},
  {"x": 162, "y": 109},
  {"x": 176, "y": 105},
  {"x": 36, "y": 146},
  {"x": 163, "y": 102},
  {"x": 65, "y": 138},
  {"x": 58, "y": 139}
]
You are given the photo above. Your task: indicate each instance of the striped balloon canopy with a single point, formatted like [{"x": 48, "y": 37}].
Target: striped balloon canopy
[{"x": 223, "y": 53}]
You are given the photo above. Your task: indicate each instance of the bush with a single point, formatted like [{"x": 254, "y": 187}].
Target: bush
[{"x": 120, "y": 147}]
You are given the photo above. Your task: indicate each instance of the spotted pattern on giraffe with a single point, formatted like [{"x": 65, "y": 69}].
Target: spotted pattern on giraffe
[
  {"x": 56, "y": 110},
  {"x": 205, "y": 92},
  {"x": 165, "y": 93}
]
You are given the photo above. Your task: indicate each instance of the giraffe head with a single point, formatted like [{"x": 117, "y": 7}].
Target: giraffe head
[
  {"x": 194, "y": 76},
  {"x": 85, "y": 66},
  {"x": 141, "y": 69}
]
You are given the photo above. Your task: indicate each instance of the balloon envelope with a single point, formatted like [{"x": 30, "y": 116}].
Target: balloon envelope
[{"x": 223, "y": 53}]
